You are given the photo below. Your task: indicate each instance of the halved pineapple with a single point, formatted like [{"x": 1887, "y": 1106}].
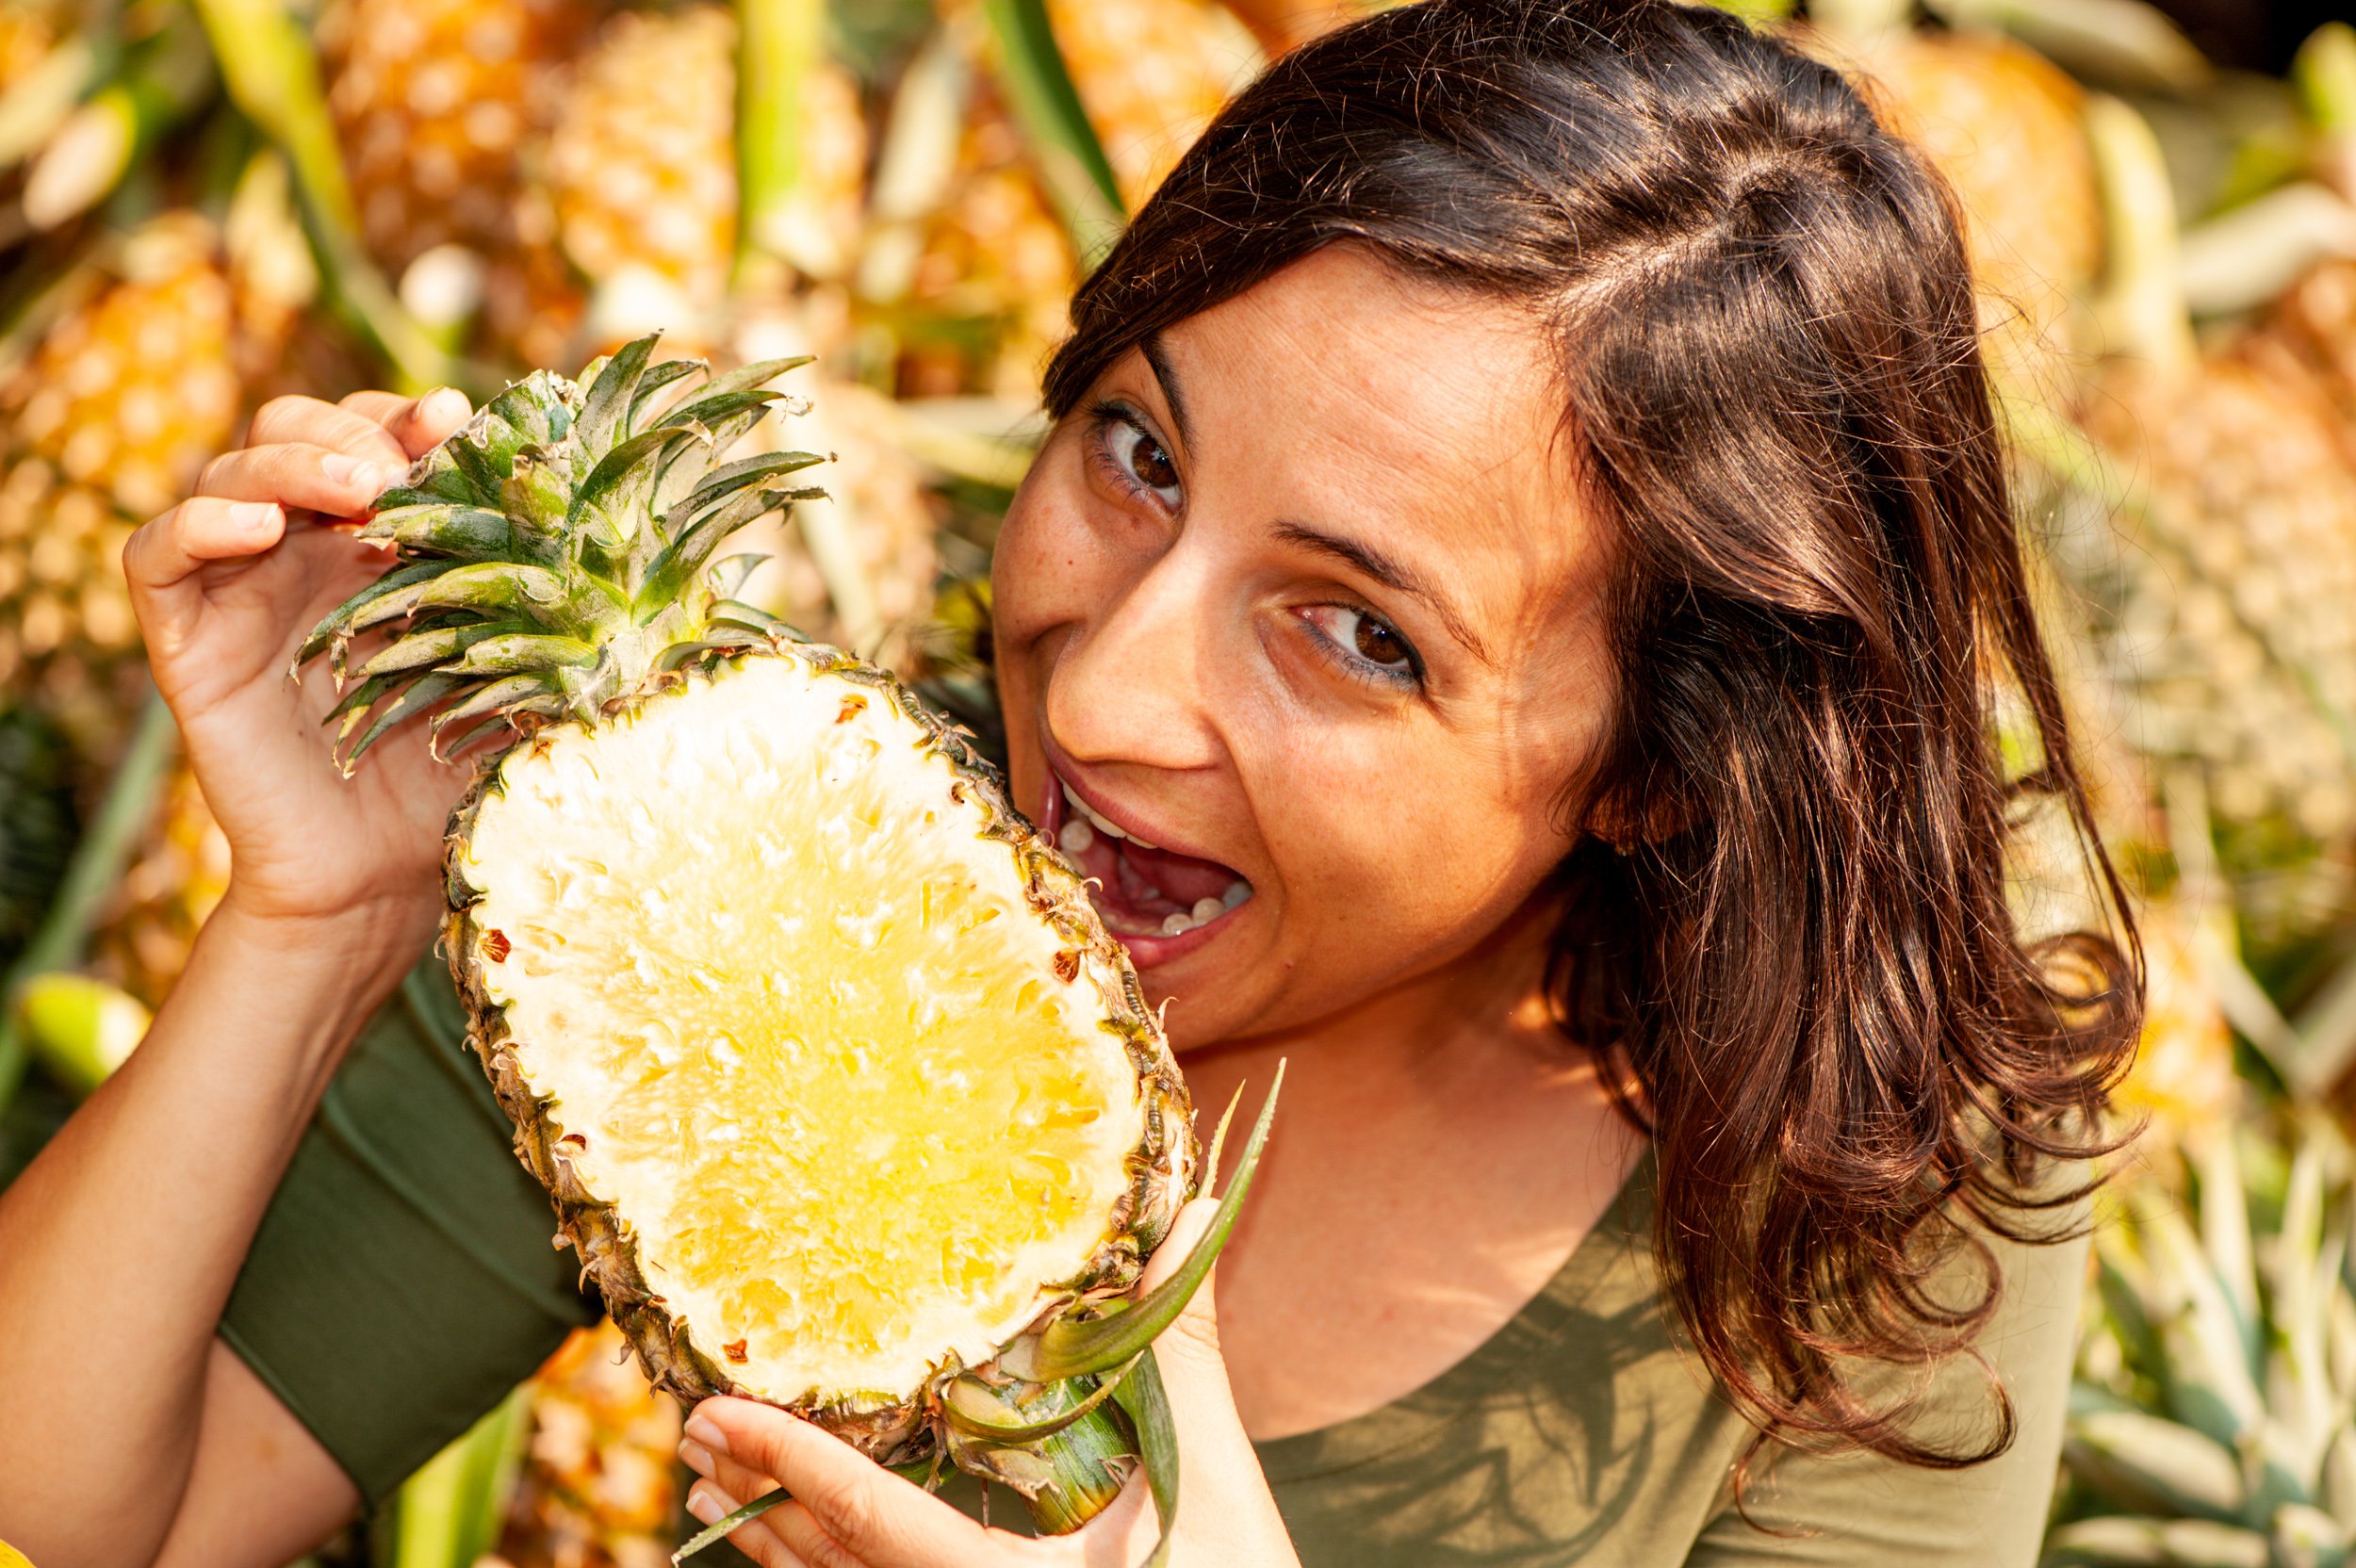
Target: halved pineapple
[
  {"x": 841, "y": 1087},
  {"x": 799, "y": 1005}
]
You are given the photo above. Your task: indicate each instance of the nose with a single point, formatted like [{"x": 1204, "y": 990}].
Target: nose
[{"x": 1131, "y": 685}]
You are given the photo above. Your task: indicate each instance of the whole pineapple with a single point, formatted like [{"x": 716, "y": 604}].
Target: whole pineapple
[
  {"x": 840, "y": 1085},
  {"x": 2225, "y": 591},
  {"x": 434, "y": 101},
  {"x": 107, "y": 422},
  {"x": 133, "y": 392}
]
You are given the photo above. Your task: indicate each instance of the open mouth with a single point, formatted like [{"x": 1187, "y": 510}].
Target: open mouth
[{"x": 1158, "y": 902}]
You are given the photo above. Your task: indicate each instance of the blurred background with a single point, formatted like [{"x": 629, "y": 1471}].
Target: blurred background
[{"x": 204, "y": 204}]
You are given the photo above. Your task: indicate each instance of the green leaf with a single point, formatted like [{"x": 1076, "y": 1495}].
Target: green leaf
[
  {"x": 1142, "y": 1396},
  {"x": 729, "y": 480},
  {"x": 531, "y": 694},
  {"x": 728, "y": 577},
  {"x": 419, "y": 649},
  {"x": 707, "y": 409},
  {"x": 609, "y": 485},
  {"x": 337, "y": 621},
  {"x": 441, "y": 529},
  {"x": 654, "y": 380},
  {"x": 2130, "y": 1543},
  {"x": 2145, "y": 1463},
  {"x": 669, "y": 573},
  {"x": 1069, "y": 1348},
  {"x": 489, "y": 586},
  {"x": 719, "y": 1529},
  {"x": 972, "y": 1406},
  {"x": 422, "y": 693},
  {"x": 525, "y": 652},
  {"x": 604, "y": 413},
  {"x": 679, "y": 654},
  {"x": 1072, "y": 162}
]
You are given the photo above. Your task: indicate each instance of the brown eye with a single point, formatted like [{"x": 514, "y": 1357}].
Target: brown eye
[
  {"x": 1378, "y": 644},
  {"x": 1151, "y": 464}
]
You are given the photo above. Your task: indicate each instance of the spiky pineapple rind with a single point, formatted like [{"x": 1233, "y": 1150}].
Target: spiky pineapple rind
[{"x": 896, "y": 1427}]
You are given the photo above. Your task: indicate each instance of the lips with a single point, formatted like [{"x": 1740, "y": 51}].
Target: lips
[{"x": 1160, "y": 903}]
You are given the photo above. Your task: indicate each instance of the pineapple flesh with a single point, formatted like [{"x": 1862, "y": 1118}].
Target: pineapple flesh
[{"x": 838, "y": 1084}]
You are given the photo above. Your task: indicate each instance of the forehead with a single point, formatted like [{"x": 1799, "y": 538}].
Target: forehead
[{"x": 1426, "y": 419}]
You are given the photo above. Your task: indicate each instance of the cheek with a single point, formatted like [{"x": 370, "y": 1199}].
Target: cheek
[
  {"x": 1416, "y": 851},
  {"x": 1050, "y": 568}
]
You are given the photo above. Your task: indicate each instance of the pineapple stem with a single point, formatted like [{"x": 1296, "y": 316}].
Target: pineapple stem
[
  {"x": 2142, "y": 304},
  {"x": 1090, "y": 1460},
  {"x": 2325, "y": 74},
  {"x": 1072, "y": 161},
  {"x": 90, "y": 876},
  {"x": 273, "y": 77},
  {"x": 778, "y": 42}
]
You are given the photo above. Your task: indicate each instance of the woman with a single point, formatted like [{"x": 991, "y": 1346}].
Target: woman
[{"x": 1524, "y": 500}]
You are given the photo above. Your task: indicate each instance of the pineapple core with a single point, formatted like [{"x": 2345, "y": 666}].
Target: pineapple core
[{"x": 798, "y": 1024}]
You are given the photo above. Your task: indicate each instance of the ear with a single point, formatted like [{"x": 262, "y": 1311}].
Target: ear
[{"x": 1623, "y": 821}]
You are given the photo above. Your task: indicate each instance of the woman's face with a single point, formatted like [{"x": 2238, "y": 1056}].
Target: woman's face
[{"x": 1299, "y": 642}]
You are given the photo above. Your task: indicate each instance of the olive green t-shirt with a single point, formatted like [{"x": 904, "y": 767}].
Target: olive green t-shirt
[{"x": 404, "y": 1279}]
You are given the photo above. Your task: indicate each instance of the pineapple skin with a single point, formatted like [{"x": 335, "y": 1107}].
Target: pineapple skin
[{"x": 1163, "y": 1168}]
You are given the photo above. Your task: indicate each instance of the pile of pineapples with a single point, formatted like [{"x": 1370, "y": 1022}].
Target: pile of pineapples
[{"x": 204, "y": 204}]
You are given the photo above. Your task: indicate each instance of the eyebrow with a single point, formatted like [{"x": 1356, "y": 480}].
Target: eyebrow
[
  {"x": 1158, "y": 357},
  {"x": 1382, "y": 568}
]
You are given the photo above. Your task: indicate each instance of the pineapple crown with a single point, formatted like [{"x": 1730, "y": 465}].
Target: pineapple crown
[{"x": 552, "y": 553}]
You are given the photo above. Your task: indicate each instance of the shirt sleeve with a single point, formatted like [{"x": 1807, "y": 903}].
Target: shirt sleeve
[
  {"x": 404, "y": 1278},
  {"x": 1862, "y": 1511}
]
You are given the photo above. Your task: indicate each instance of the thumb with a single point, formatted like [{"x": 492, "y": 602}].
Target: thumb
[{"x": 1195, "y": 1335}]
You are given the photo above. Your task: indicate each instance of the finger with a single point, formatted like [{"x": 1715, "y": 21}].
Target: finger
[
  {"x": 730, "y": 1476},
  {"x": 419, "y": 424},
  {"x": 299, "y": 474},
  {"x": 755, "y": 1539},
  {"x": 166, "y": 550},
  {"x": 1185, "y": 1232},
  {"x": 315, "y": 423},
  {"x": 881, "y": 1519}
]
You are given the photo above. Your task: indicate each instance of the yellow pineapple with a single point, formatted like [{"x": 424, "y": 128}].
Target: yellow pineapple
[
  {"x": 135, "y": 391},
  {"x": 434, "y": 101},
  {"x": 1151, "y": 75},
  {"x": 67, "y": 638},
  {"x": 107, "y": 422},
  {"x": 640, "y": 191},
  {"x": 2314, "y": 320},
  {"x": 599, "y": 1487},
  {"x": 647, "y": 179}
]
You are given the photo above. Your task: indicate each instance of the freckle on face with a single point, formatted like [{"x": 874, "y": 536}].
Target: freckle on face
[{"x": 1166, "y": 656}]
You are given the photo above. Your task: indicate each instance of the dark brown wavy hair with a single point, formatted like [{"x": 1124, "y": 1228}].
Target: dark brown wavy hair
[{"x": 1786, "y": 932}]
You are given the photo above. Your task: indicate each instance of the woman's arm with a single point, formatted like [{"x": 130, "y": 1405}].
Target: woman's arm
[{"x": 119, "y": 1245}]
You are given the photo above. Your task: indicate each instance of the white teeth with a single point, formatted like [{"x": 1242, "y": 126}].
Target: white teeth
[
  {"x": 1110, "y": 830},
  {"x": 1237, "y": 892},
  {"x": 1177, "y": 925},
  {"x": 1077, "y": 837},
  {"x": 1206, "y": 910}
]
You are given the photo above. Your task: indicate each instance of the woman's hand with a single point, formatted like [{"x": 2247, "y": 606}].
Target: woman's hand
[
  {"x": 228, "y": 584},
  {"x": 848, "y": 1513}
]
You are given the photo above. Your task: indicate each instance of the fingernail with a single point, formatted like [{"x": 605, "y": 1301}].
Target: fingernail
[
  {"x": 444, "y": 400},
  {"x": 710, "y": 1504},
  {"x": 355, "y": 471},
  {"x": 696, "y": 1457},
  {"x": 253, "y": 516},
  {"x": 703, "y": 1431}
]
